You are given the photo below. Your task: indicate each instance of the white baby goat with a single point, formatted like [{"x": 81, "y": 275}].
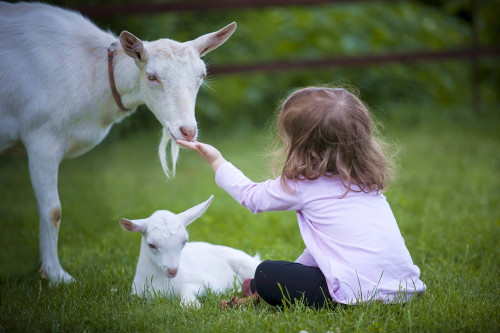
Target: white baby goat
[
  {"x": 58, "y": 71},
  {"x": 169, "y": 265}
]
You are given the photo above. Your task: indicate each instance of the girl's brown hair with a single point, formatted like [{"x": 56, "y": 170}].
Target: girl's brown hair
[{"x": 329, "y": 131}]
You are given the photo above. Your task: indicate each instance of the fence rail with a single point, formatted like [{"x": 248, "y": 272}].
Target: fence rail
[
  {"x": 364, "y": 60},
  {"x": 154, "y": 8}
]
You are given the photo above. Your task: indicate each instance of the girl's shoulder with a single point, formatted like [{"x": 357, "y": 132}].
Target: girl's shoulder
[
  {"x": 332, "y": 185},
  {"x": 323, "y": 182}
]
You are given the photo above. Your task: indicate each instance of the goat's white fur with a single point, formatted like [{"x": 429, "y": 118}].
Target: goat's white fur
[
  {"x": 56, "y": 99},
  {"x": 169, "y": 265}
]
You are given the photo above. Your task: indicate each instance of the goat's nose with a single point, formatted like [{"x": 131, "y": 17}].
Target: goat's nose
[
  {"x": 188, "y": 132},
  {"x": 172, "y": 272}
]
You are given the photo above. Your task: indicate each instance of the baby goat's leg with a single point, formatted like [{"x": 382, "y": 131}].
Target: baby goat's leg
[
  {"x": 43, "y": 165},
  {"x": 187, "y": 294}
]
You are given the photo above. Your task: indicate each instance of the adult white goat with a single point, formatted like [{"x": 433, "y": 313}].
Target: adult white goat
[
  {"x": 59, "y": 98},
  {"x": 169, "y": 265}
]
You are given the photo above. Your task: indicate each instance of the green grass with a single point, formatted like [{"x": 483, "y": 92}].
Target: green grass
[{"x": 446, "y": 199}]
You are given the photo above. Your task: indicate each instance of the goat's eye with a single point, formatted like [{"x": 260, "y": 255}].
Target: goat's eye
[
  {"x": 151, "y": 77},
  {"x": 152, "y": 246}
]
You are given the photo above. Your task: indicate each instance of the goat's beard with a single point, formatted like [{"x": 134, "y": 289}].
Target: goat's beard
[{"x": 166, "y": 142}]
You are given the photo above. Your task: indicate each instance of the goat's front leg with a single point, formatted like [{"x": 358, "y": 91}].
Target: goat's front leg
[
  {"x": 44, "y": 166},
  {"x": 188, "y": 294}
]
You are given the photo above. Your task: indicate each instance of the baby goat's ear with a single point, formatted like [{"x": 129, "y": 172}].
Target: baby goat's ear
[
  {"x": 193, "y": 213},
  {"x": 132, "y": 225}
]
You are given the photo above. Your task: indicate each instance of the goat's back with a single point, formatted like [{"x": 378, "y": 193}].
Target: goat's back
[{"x": 49, "y": 57}]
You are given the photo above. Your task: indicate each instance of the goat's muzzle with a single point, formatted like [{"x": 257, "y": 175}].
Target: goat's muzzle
[
  {"x": 188, "y": 132},
  {"x": 171, "y": 272}
]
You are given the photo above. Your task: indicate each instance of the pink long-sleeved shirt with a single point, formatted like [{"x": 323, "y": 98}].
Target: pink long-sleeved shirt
[{"x": 354, "y": 240}]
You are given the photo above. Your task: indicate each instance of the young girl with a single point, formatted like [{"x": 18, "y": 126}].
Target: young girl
[{"x": 333, "y": 178}]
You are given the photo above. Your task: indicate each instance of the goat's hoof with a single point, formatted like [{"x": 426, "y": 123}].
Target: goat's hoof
[{"x": 56, "y": 278}]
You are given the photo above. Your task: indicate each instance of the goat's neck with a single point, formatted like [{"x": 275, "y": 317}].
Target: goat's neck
[{"x": 127, "y": 78}]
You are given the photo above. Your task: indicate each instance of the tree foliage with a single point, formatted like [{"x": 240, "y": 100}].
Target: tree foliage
[{"x": 326, "y": 31}]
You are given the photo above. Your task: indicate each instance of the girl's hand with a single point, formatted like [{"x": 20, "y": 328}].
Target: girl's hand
[{"x": 209, "y": 153}]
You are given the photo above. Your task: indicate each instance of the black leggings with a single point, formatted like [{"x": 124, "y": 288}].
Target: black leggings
[{"x": 280, "y": 282}]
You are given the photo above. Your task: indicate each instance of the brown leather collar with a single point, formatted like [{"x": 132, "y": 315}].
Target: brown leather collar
[{"x": 116, "y": 96}]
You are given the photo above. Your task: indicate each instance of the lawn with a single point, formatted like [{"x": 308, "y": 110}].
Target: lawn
[{"x": 446, "y": 199}]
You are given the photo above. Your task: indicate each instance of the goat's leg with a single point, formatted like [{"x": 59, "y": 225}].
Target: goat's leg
[
  {"x": 44, "y": 166},
  {"x": 187, "y": 295}
]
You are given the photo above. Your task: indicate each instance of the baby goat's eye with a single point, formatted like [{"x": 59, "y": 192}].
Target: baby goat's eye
[{"x": 152, "y": 246}]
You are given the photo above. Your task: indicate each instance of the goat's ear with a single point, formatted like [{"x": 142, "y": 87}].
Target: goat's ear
[
  {"x": 132, "y": 225},
  {"x": 211, "y": 41},
  {"x": 132, "y": 46},
  {"x": 193, "y": 213}
]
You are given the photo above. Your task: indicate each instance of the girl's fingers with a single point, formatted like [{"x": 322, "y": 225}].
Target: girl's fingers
[
  {"x": 201, "y": 147},
  {"x": 210, "y": 154},
  {"x": 195, "y": 146},
  {"x": 204, "y": 150},
  {"x": 181, "y": 143},
  {"x": 186, "y": 144}
]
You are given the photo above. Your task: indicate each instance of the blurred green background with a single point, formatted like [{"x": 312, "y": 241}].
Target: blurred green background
[
  {"x": 442, "y": 115},
  {"x": 424, "y": 90}
]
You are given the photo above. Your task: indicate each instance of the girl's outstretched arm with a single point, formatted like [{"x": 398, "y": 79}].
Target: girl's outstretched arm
[
  {"x": 256, "y": 197},
  {"x": 209, "y": 153}
]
